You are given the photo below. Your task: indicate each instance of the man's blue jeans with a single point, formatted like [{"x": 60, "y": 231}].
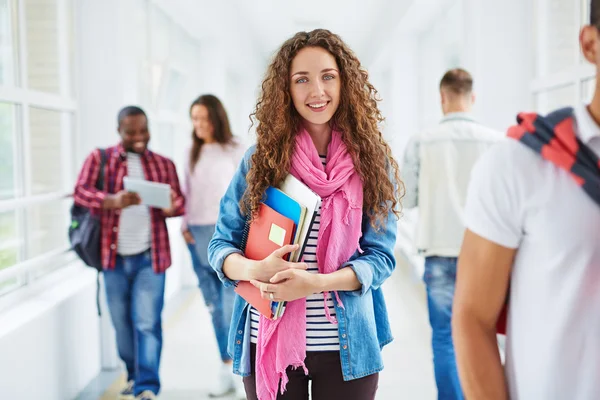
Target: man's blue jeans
[
  {"x": 135, "y": 296},
  {"x": 218, "y": 298},
  {"x": 440, "y": 279}
]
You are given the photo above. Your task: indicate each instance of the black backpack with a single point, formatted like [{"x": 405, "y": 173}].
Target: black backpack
[{"x": 85, "y": 232}]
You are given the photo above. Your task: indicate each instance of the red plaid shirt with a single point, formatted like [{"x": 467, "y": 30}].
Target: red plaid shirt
[{"x": 157, "y": 169}]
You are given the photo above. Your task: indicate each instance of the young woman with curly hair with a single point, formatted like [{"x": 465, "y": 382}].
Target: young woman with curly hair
[{"x": 317, "y": 118}]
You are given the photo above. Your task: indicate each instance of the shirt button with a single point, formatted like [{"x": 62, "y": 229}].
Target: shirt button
[
  {"x": 239, "y": 342},
  {"x": 343, "y": 335},
  {"x": 115, "y": 229},
  {"x": 113, "y": 246},
  {"x": 345, "y": 347},
  {"x": 240, "y": 332}
]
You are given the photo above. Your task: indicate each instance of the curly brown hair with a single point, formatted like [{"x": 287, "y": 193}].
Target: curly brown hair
[{"x": 357, "y": 118}]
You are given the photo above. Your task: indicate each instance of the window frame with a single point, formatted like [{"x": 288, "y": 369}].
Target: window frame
[
  {"x": 22, "y": 98},
  {"x": 579, "y": 70}
]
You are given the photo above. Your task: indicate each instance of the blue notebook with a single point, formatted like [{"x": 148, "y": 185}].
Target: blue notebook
[
  {"x": 284, "y": 205},
  {"x": 290, "y": 208}
]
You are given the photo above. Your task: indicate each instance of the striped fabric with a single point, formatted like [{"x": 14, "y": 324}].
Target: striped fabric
[
  {"x": 134, "y": 225},
  {"x": 157, "y": 169},
  {"x": 554, "y": 138},
  {"x": 321, "y": 335}
]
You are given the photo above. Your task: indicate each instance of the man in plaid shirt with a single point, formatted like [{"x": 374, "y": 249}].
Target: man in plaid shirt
[{"x": 135, "y": 246}]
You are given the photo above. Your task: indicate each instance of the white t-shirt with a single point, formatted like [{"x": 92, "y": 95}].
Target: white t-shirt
[
  {"x": 519, "y": 200},
  {"x": 135, "y": 224}
]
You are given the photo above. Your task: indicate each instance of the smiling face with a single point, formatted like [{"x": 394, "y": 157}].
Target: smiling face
[
  {"x": 203, "y": 127},
  {"x": 315, "y": 85},
  {"x": 134, "y": 133}
]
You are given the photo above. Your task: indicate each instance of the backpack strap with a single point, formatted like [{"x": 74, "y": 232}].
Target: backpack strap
[
  {"x": 100, "y": 186},
  {"x": 100, "y": 181}
]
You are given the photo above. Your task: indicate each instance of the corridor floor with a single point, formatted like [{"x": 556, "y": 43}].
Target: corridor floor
[{"x": 190, "y": 357}]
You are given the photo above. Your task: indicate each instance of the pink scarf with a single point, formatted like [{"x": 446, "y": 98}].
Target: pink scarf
[{"x": 282, "y": 343}]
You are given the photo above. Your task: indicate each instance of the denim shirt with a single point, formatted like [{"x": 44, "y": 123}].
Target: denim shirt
[{"x": 363, "y": 325}]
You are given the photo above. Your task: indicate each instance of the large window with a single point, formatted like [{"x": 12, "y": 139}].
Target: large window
[
  {"x": 36, "y": 134},
  {"x": 561, "y": 77}
]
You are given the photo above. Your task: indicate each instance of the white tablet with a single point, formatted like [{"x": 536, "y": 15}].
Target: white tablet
[{"x": 153, "y": 194}]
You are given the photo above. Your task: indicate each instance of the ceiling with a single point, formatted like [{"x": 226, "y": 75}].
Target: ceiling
[{"x": 262, "y": 25}]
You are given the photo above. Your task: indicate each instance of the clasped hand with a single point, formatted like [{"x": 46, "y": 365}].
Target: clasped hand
[{"x": 280, "y": 280}]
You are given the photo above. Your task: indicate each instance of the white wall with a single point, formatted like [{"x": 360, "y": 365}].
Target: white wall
[
  {"x": 500, "y": 58},
  {"x": 49, "y": 343}
]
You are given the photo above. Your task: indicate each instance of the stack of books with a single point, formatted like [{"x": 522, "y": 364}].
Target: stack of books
[{"x": 285, "y": 217}]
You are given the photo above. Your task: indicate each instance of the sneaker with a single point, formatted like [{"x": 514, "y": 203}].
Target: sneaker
[
  {"x": 224, "y": 384},
  {"x": 146, "y": 395},
  {"x": 240, "y": 391},
  {"x": 127, "y": 392}
]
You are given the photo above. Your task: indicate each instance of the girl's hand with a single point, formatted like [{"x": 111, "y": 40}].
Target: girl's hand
[
  {"x": 265, "y": 270},
  {"x": 187, "y": 236},
  {"x": 289, "y": 285}
]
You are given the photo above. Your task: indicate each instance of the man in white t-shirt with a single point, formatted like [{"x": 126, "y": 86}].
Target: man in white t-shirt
[{"x": 533, "y": 234}]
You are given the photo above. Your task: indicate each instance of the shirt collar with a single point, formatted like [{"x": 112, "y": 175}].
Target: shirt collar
[
  {"x": 587, "y": 128},
  {"x": 453, "y": 116}
]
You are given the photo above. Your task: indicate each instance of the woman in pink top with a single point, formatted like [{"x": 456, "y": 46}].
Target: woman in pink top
[{"x": 213, "y": 159}]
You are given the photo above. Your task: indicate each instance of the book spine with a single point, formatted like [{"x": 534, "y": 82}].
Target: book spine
[
  {"x": 303, "y": 246},
  {"x": 245, "y": 233}
]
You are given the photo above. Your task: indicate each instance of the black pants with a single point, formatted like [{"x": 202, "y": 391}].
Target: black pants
[{"x": 325, "y": 373}]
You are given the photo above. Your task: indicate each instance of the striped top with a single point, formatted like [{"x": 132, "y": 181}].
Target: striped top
[
  {"x": 321, "y": 335},
  {"x": 134, "y": 225}
]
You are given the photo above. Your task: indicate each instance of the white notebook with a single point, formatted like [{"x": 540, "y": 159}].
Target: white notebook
[
  {"x": 307, "y": 198},
  {"x": 153, "y": 194}
]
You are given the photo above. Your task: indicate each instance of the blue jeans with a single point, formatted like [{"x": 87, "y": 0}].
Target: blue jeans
[
  {"x": 135, "y": 296},
  {"x": 218, "y": 298},
  {"x": 440, "y": 279}
]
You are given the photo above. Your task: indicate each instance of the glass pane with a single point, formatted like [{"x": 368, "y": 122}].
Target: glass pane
[
  {"x": 7, "y": 138},
  {"x": 46, "y": 151},
  {"x": 587, "y": 89},
  {"x": 47, "y": 227},
  {"x": 585, "y": 12},
  {"x": 554, "y": 99},
  {"x": 70, "y": 29},
  {"x": 9, "y": 241},
  {"x": 557, "y": 39},
  {"x": 41, "y": 24},
  {"x": 10, "y": 284},
  {"x": 8, "y": 43}
]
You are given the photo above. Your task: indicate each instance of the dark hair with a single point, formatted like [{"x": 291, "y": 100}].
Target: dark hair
[
  {"x": 218, "y": 119},
  {"x": 128, "y": 112},
  {"x": 595, "y": 13},
  {"x": 458, "y": 81}
]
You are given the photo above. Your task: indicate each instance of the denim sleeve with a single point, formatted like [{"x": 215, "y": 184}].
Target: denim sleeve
[
  {"x": 376, "y": 262},
  {"x": 231, "y": 222},
  {"x": 410, "y": 174}
]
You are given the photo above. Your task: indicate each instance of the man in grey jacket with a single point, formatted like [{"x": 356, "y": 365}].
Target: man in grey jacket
[{"x": 437, "y": 167}]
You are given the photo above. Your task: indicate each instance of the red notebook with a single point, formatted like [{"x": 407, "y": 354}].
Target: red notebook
[{"x": 267, "y": 233}]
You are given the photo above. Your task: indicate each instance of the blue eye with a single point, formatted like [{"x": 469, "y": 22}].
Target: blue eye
[
  {"x": 301, "y": 80},
  {"x": 328, "y": 77}
]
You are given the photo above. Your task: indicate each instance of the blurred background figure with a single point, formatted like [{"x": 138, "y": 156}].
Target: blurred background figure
[
  {"x": 212, "y": 161},
  {"x": 437, "y": 167},
  {"x": 135, "y": 249}
]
